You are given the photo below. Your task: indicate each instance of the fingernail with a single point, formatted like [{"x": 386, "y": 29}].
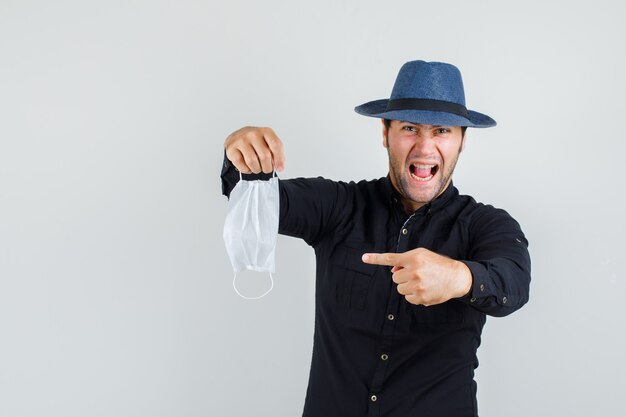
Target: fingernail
[{"x": 365, "y": 257}]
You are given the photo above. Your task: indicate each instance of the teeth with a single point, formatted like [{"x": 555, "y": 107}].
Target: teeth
[
  {"x": 420, "y": 166},
  {"x": 420, "y": 178}
]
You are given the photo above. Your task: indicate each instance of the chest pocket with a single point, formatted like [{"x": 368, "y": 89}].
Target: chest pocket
[{"x": 352, "y": 279}]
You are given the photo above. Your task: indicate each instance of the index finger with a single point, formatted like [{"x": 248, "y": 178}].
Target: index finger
[
  {"x": 388, "y": 259},
  {"x": 276, "y": 146}
]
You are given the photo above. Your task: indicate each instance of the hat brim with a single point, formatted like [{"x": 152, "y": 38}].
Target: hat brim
[{"x": 378, "y": 108}]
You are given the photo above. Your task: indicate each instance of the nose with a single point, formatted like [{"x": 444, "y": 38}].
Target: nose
[{"x": 424, "y": 143}]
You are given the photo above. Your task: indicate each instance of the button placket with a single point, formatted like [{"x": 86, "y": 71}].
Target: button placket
[{"x": 388, "y": 330}]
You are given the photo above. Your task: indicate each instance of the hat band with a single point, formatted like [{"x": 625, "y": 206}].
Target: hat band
[{"x": 427, "y": 104}]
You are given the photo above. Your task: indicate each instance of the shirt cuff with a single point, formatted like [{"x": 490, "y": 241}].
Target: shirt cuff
[{"x": 483, "y": 292}]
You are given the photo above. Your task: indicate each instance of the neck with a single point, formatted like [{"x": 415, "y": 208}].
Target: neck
[{"x": 411, "y": 206}]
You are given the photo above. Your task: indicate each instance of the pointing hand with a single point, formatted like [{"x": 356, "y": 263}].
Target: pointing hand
[{"x": 425, "y": 277}]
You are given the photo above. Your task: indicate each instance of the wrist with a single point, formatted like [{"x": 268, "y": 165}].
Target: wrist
[{"x": 464, "y": 279}]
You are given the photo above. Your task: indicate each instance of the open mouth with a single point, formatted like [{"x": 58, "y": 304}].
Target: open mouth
[{"x": 422, "y": 172}]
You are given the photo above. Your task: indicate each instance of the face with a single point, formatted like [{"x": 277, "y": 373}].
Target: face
[{"x": 421, "y": 159}]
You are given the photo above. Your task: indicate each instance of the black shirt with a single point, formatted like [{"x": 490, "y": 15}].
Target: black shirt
[{"x": 375, "y": 354}]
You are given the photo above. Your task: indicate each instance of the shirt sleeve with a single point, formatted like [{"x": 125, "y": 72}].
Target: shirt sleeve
[
  {"x": 499, "y": 262},
  {"x": 310, "y": 208}
]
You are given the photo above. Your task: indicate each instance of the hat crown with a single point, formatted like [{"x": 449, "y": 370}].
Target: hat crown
[{"x": 429, "y": 80}]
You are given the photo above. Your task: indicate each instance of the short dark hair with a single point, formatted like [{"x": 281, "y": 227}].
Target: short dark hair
[{"x": 388, "y": 123}]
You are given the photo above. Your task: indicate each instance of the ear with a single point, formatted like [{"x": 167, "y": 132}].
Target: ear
[{"x": 382, "y": 121}]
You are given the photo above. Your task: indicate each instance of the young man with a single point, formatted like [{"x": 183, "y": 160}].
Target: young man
[{"x": 407, "y": 269}]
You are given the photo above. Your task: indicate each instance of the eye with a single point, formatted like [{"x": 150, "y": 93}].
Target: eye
[
  {"x": 409, "y": 128},
  {"x": 443, "y": 130}
]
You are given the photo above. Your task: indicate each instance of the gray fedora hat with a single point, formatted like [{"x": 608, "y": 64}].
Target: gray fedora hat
[{"x": 427, "y": 93}]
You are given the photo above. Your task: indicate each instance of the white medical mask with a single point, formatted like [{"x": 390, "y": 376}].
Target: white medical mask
[{"x": 251, "y": 228}]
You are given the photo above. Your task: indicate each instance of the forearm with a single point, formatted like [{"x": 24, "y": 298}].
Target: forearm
[{"x": 499, "y": 262}]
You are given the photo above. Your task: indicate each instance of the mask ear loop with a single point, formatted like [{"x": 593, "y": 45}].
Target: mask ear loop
[
  {"x": 253, "y": 298},
  {"x": 245, "y": 297}
]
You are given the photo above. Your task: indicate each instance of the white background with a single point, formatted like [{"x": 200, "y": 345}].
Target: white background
[{"x": 115, "y": 287}]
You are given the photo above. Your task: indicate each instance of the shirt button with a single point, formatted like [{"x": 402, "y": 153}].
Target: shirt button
[
  {"x": 404, "y": 231},
  {"x": 503, "y": 300},
  {"x": 373, "y": 398},
  {"x": 384, "y": 356},
  {"x": 472, "y": 299},
  {"x": 390, "y": 317},
  {"x": 482, "y": 287}
]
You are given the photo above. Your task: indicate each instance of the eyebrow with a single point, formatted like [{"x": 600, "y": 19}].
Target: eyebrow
[{"x": 418, "y": 125}]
